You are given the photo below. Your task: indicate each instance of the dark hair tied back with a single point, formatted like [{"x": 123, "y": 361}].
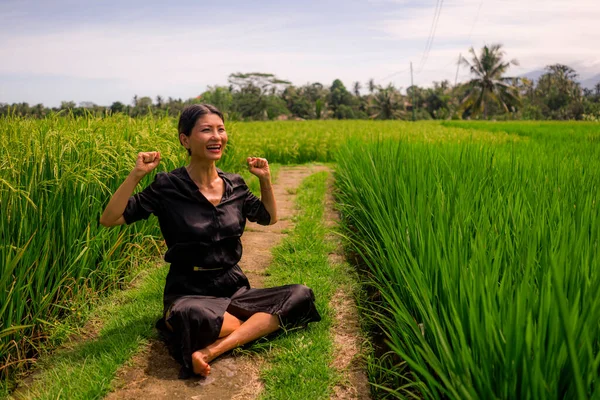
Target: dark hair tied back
[{"x": 191, "y": 114}]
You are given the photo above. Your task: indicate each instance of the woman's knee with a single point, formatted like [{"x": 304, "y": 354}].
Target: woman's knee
[
  {"x": 187, "y": 313},
  {"x": 301, "y": 296},
  {"x": 230, "y": 324}
]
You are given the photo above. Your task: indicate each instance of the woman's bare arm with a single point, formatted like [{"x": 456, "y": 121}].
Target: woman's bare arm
[
  {"x": 113, "y": 213},
  {"x": 268, "y": 198},
  {"x": 260, "y": 168}
]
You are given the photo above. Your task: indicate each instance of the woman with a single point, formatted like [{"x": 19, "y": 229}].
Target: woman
[{"x": 209, "y": 307}]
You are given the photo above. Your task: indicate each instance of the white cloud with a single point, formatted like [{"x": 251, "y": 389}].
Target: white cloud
[
  {"x": 149, "y": 58},
  {"x": 536, "y": 32}
]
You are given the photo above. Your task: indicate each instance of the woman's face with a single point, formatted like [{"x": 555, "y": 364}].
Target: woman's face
[{"x": 208, "y": 138}]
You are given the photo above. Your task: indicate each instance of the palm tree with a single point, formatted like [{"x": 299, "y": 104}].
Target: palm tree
[
  {"x": 489, "y": 85},
  {"x": 371, "y": 85},
  {"x": 387, "y": 103},
  {"x": 356, "y": 88}
]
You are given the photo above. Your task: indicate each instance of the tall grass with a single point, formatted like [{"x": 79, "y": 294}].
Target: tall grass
[
  {"x": 288, "y": 142},
  {"x": 494, "y": 250},
  {"x": 544, "y": 131},
  {"x": 57, "y": 174}
]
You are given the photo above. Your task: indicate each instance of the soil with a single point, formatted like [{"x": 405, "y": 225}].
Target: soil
[
  {"x": 347, "y": 337},
  {"x": 152, "y": 373}
]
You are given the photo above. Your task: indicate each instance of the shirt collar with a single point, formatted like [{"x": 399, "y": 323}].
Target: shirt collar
[{"x": 183, "y": 174}]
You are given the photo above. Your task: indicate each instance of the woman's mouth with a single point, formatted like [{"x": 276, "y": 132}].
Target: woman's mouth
[{"x": 214, "y": 148}]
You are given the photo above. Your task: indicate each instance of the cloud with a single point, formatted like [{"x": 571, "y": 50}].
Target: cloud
[
  {"x": 537, "y": 32},
  {"x": 184, "y": 51}
]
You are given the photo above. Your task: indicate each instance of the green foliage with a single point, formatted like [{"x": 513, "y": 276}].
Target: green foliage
[
  {"x": 489, "y": 86},
  {"x": 266, "y": 83},
  {"x": 85, "y": 369},
  {"x": 562, "y": 132},
  {"x": 275, "y": 107},
  {"x": 484, "y": 232},
  {"x": 306, "y": 102},
  {"x": 344, "y": 112},
  {"x": 56, "y": 176},
  {"x": 492, "y": 247},
  {"x": 438, "y": 100},
  {"x": 338, "y": 97},
  {"x": 117, "y": 107},
  {"x": 260, "y": 96},
  {"x": 300, "y": 364},
  {"x": 255, "y": 95},
  {"x": 558, "y": 94},
  {"x": 319, "y": 108},
  {"x": 220, "y": 97},
  {"x": 387, "y": 103}
]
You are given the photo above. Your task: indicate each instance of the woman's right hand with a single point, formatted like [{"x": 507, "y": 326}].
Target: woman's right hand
[{"x": 146, "y": 162}]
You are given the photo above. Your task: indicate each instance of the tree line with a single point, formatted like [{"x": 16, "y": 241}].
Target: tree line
[{"x": 489, "y": 94}]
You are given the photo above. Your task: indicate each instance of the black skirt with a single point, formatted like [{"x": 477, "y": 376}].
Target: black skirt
[{"x": 195, "y": 302}]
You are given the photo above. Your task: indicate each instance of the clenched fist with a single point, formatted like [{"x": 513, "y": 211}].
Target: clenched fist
[
  {"x": 146, "y": 162},
  {"x": 259, "y": 167}
]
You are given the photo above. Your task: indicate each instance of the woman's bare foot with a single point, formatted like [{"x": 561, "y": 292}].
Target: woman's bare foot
[
  {"x": 200, "y": 361},
  {"x": 258, "y": 325}
]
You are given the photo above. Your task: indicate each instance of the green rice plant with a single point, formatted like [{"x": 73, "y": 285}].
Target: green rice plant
[
  {"x": 56, "y": 176},
  {"x": 493, "y": 249},
  {"x": 568, "y": 133},
  {"x": 58, "y": 173},
  {"x": 297, "y": 142}
]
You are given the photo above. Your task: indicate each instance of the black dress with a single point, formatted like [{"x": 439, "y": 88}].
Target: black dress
[{"x": 204, "y": 248}]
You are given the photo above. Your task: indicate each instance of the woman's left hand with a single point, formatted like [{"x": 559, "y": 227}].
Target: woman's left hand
[{"x": 259, "y": 167}]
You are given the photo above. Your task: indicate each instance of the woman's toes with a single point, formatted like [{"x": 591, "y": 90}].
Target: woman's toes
[{"x": 199, "y": 364}]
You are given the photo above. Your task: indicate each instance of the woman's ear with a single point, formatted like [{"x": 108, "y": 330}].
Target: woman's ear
[{"x": 183, "y": 139}]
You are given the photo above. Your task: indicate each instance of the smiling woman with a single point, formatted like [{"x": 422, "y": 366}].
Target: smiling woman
[
  {"x": 207, "y": 135},
  {"x": 209, "y": 307}
]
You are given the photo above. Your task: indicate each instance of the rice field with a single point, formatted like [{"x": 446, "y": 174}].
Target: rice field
[
  {"x": 484, "y": 260},
  {"x": 485, "y": 234}
]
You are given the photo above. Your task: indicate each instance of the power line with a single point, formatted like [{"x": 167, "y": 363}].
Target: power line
[
  {"x": 457, "y": 66},
  {"x": 431, "y": 30},
  {"x": 470, "y": 35},
  {"x": 434, "y": 23},
  {"x": 394, "y": 74},
  {"x": 476, "y": 19}
]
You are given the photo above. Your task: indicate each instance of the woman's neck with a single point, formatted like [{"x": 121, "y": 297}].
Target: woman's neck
[{"x": 203, "y": 173}]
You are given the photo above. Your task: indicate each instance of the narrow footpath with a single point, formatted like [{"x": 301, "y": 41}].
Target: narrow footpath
[{"x": 152, "y": 374}]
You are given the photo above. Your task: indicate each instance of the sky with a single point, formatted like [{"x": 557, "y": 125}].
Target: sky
[{"x": 105, "y": 51}]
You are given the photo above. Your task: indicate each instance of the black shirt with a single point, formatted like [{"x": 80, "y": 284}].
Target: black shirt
[{"x": 198, "y": 233}]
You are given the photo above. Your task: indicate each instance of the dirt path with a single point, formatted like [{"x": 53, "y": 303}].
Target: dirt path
[
  {"x": 347, "y": 336},
  {"x": 152, "y": 374}
]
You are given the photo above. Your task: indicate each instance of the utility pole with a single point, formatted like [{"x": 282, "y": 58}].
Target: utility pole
[
  {"x": 457, "y": 65},
  {"x": 412, "y": 86}
]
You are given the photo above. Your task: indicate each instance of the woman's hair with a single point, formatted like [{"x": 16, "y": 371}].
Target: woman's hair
[{"x": 191, "y": 114}]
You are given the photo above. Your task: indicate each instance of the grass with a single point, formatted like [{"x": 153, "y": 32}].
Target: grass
[
  {"x": 300, "y": 362},
  {"x": 534, "y": 182},
  {"x": 494, "y": 249},
  {"x": 84, "y": 369},
  {"x": 543, "y": 130},
  {"x": 56, "y": 176}
]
